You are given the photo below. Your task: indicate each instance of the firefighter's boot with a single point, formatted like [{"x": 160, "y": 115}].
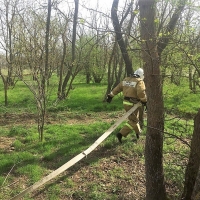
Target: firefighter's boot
[
  {"x": 119, "y": 137},
  {"x": 138, "y": 134}
]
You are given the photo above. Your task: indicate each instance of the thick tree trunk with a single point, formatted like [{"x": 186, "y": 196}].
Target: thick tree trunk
[
  {"x": 155, "y": 187},
  {"x": 196, "y": 191},
  {"x": 194, "y": 161}
]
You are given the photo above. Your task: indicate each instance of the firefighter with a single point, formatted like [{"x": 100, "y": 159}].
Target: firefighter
[{"x": 133, "y": 89}]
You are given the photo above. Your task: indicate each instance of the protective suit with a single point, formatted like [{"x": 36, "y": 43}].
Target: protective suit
[{"x": 133, "y": 89}]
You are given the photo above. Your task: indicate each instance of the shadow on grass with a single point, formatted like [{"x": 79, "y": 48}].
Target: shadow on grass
[{"x": 99, "y": 153}]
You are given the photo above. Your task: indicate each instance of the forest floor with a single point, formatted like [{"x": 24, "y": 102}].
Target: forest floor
[{"x": 128, "y": 182}]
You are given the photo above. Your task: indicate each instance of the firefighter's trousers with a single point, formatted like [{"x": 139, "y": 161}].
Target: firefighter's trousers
[{"x": 133, "y": 121}]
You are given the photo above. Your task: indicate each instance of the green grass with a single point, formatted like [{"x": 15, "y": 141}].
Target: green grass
[
  {"x": 89, "y": 98},
  {"x": 105, "y": 174},
  {"x": 33, "y": 159},
  {"x": 180, "y": 100},
  {"x": 83, "y": 98}
]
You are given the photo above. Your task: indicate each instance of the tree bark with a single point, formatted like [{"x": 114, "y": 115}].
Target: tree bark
[
  {"x": 194, "y": 161},
  {"x": 59, "y": 94},
  {"x": 155, "y": 186},
  {"x": 119, "y": 37},
  {"x": 196, "y": 190},
  {"x": 69, "y": 73},
  {"x": 41, "y": 100},
  {"x": 5, "y": 89},
  {"x": 163, "y": 42}
]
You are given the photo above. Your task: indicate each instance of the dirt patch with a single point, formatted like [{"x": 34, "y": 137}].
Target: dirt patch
[
  {"x": 12, "y": 118},
  {"x": 116, "y": 173},
  {"x": 6, "y": 143},
  {"x": 29, "y": 119}
]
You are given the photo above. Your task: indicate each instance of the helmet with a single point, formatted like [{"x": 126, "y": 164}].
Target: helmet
[{"x": 140, "y": 73}]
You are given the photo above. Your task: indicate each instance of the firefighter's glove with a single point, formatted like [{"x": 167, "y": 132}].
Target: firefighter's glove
[
  {"x": 145, "y": 105},
  {"x": 109, "y": 98}
]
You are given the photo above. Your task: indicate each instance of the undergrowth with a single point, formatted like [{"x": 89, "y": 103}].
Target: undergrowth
[{"x": 112, "y": 171}]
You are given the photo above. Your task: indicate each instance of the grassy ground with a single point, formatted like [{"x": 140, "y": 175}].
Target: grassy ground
[{"x": 112, "y": 171}]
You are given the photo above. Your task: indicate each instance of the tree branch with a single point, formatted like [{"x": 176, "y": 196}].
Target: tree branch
[{"x": 164, "y": 40}]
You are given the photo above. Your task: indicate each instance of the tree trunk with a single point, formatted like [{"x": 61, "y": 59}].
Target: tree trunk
[
  {"x": 69, "y": 73},
  {"x": 194, "y": 161},
  {"x": 5, "y": 89},
  {"x": 163, "y": 42},
  {"x": 196, "y": 191},
  {"x": 155, "y": 187},
  {"x": 110, "y": 73},
  {"x": 119, "y": 37},
  {"x": 45, "y": 76},
  {"x": 62, "y": 66}
]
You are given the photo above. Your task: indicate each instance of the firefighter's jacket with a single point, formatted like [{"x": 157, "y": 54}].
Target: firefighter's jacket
[{"x": 131, "y": 87}]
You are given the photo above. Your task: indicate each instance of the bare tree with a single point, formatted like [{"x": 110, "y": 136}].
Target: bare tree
[
  {"x": 119, "y": 37},
  {"x": 35, "y": 52},
  {"x": 62, "y": 90},
  {"x": 122, "y": 31},
  {"x": 8, "y": 25},
  {"x": 41, "y": 100}
]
